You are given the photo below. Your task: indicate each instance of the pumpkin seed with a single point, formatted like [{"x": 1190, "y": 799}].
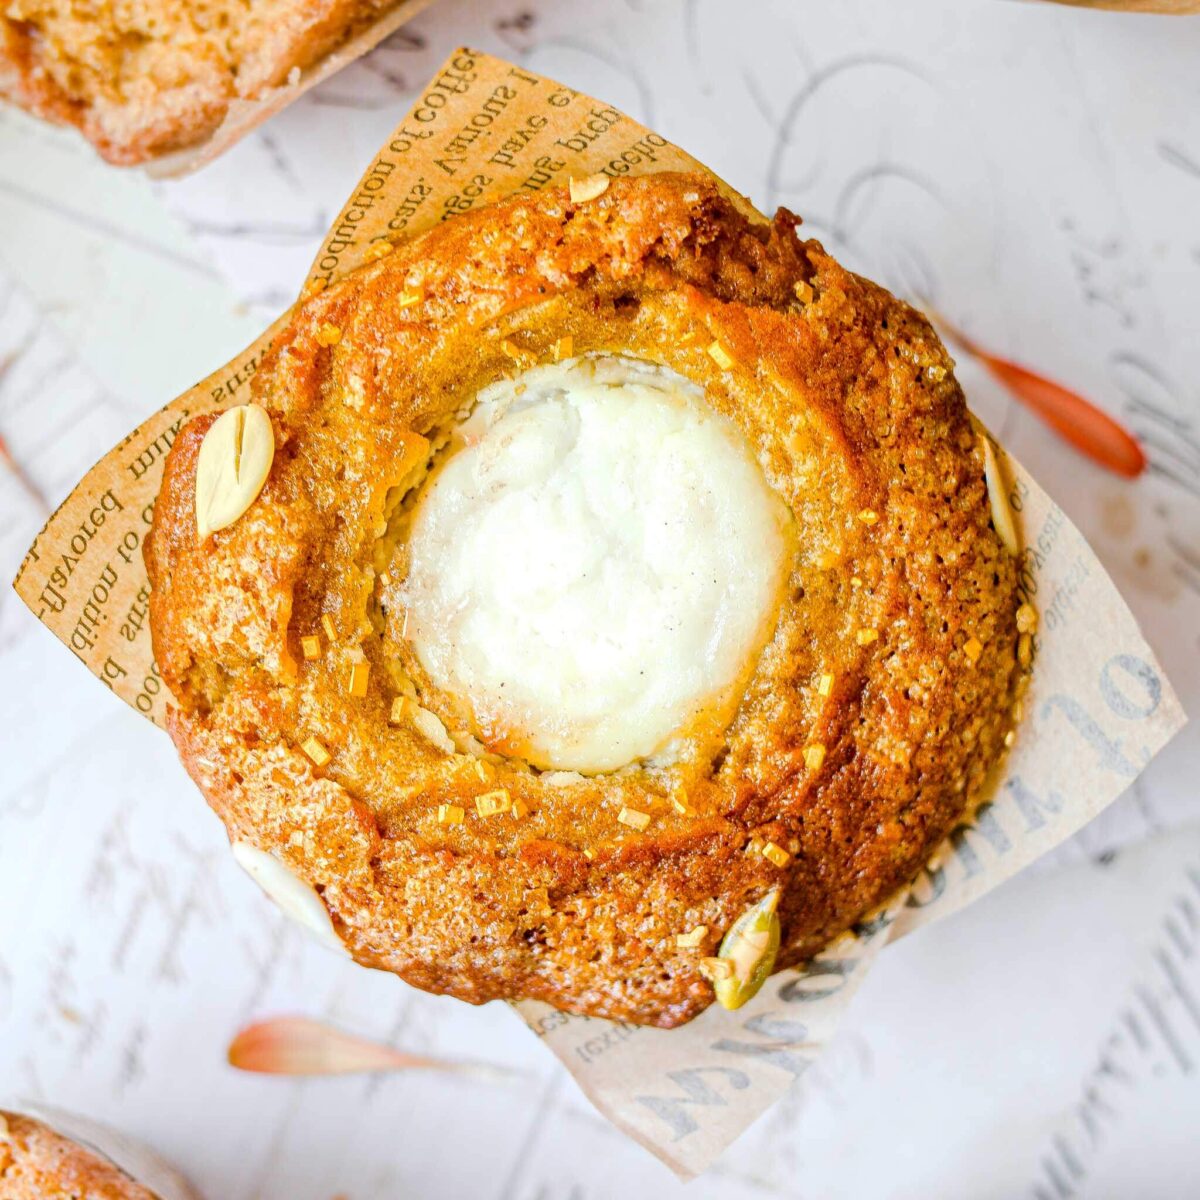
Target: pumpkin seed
[
  {"x": 749, "y": 948},
  {"x": 430, "y": 726},
  {"x": 296, "y": 898},
  {"x": 1002, "y": 517},
  {"x": 234, "y": 460}
]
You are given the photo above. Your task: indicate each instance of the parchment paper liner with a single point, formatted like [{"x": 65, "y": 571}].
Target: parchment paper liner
[
  {"x": 1098, "y": 708},
  {"x": 140, "y": 1163}
]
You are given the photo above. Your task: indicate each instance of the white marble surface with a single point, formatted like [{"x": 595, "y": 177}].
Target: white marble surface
[{"x": 1037, "y": 171}]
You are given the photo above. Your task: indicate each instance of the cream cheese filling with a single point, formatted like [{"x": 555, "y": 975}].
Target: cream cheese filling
[{"x": 596, "y": 565}]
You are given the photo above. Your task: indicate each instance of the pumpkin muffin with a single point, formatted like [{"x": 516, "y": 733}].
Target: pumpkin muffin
[
  {"x": 140, "y": 78},
  {"x": 38, "y": 1164},
  {"x": 585, "y": 575}
]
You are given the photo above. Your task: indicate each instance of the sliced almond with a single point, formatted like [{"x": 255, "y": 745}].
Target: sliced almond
[
  {"x": 1002, "y": 517},
  {"x": 561, "y": 778},
  {"x": 583, "y": 190},
  {"x": 232, "y": 466},
  {"x": 296, "y": 898},
  {"x": 430, "y": 726}
]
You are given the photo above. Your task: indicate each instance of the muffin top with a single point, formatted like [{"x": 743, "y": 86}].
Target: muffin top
[
  {"x": 531, "y": 452},
  {"x": 38, "y": 1164}
]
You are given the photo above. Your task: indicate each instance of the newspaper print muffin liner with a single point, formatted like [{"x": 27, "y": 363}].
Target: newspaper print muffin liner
[
  {"x": 1098, "y": 707},
  {"x": 141, "y": 1164}
]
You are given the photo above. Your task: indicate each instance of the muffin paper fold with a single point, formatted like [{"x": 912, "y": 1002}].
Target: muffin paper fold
[{"x": 1098, "y": 708}]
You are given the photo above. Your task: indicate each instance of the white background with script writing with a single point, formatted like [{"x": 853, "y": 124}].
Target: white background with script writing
[{"x": 1032, "y": 170}]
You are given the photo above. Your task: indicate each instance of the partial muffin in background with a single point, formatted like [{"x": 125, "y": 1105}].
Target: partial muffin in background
[
  {"x": 146, "y": 77},
  {"x": 37, "y": 1163}
]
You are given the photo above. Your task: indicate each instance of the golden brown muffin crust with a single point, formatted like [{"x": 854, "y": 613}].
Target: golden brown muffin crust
[
  {"x": 38, "y": 1164},
  {"x": 849, "y": 403},
  {"x": 140, "y": 78}
]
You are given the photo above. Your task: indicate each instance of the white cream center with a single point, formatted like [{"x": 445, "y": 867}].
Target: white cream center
[{"x": 596, "y": 566}]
